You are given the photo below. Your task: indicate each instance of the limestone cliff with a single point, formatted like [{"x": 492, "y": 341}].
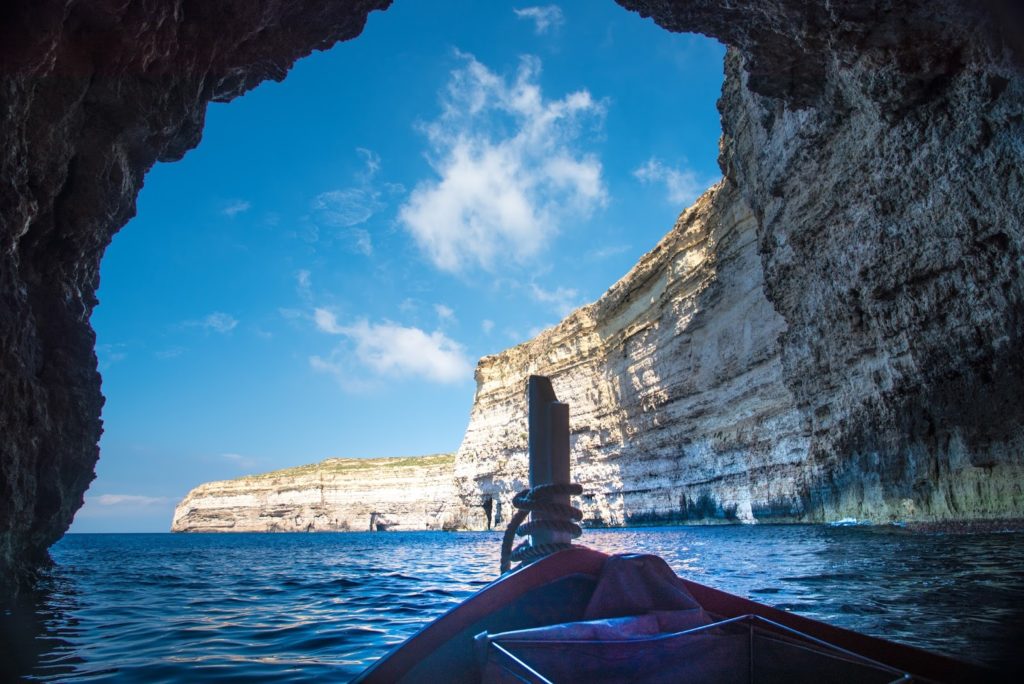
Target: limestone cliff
[
  {"x": 680, "y": 409},
  {"x": 838, "y": 329},
  {"x": 339, "y": 494},
  {"x": 885, "y": 167},
  {"x": 674, "y": 381}
]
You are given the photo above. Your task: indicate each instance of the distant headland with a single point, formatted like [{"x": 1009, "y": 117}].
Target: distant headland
[{"x": 338, "y": 494}]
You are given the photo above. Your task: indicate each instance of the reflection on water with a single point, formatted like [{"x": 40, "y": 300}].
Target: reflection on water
[{"x": 294, "y": 607}]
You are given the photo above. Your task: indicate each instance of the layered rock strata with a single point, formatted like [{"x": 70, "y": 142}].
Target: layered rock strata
[
  {"x": 885, "y": 166},
  {"x": 373, "y": 494},
  {"x": 674, "y": 379}
]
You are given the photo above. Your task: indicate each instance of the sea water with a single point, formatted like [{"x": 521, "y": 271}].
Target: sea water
[{"x": 304, "y": 607}]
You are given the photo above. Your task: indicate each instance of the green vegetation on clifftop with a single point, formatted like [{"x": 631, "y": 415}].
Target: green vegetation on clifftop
[{"x": 341, "y": 466}]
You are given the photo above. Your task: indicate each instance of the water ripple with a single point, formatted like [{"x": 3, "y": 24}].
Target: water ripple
[{"x": 294, "y": 607}]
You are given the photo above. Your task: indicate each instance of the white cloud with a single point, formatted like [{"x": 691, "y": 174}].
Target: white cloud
[
  {"x": 543, "y": 18},
  {"x": 109, "y": 354},
  {"x": 235, "y": 207},
  {"x": 372, "y": 161},
  {"x": 602, "y": 253},
  {"x": 487, "y": 325},
  {"x": 682, "y": 185},
  {"x": 361, "y": 241},
  {"x": 304, "y": 286},
  {"x": 509, "y": 173},
  {"x": 218, "y": 321},
  {"x": 444, "y": 313},
  {"x": 393, "y": 350},
  {"x": 331, "y": 367},
  {"x": 130, "y": 499},
  {"x": 346, "y": 209},
  {"x": 169, "y": 353},
  {"x": 562, "y": 300},
  {"x": 327, "y": 322},
  {"x": 304, "y": 282},
  {"x": 239, "y": 460}
]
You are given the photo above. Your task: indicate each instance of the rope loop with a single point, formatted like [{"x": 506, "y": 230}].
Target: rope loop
[{"x": 557, "y": 518}]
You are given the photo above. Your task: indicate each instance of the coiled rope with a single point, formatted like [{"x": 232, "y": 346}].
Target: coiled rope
[{"x": 558, "y": 518}]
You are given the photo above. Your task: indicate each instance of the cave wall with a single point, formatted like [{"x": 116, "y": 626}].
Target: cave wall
[{"x": 92, "y": 94}]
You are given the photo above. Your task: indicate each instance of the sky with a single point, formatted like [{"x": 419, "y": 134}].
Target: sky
[{"x": 320, "y": 276}]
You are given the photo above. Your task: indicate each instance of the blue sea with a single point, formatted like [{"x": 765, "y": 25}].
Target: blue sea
[{"x": 304, "y": 607}]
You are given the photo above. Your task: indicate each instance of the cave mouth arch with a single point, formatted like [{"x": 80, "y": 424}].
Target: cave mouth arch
[
  {"x": 95, "y": 96},
  {"x": 190, "y": 344}
]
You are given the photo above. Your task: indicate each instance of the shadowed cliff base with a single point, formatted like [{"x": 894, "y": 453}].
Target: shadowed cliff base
[{"x": 874, "y": 146}]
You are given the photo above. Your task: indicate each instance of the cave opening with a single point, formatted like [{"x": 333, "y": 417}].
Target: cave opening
[
  {"x": 256, "y": 312},
  {"x": 488, "y": 507},
  {"x": 879, "y": 154}
]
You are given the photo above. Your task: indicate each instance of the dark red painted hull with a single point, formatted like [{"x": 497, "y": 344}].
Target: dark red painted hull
[{"x": 553, "y": 589}]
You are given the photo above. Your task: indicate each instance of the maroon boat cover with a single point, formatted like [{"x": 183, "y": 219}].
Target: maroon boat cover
[{"x": 634, "y": 584}]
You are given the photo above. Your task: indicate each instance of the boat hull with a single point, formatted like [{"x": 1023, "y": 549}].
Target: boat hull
[{"x": 557, "y": 589}]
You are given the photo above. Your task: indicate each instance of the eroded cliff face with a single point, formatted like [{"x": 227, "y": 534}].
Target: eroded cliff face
[
  {"x": 678, "y": 410},
  {"x": 892, "y": 238},
  {"x": 878, "y": 149},
  {"x": 886, "y": 173},
  {"x": 374, "y": 494}
]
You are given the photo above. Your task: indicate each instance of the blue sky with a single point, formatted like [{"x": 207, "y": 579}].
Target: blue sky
[{"x": 319, "y": 277}]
